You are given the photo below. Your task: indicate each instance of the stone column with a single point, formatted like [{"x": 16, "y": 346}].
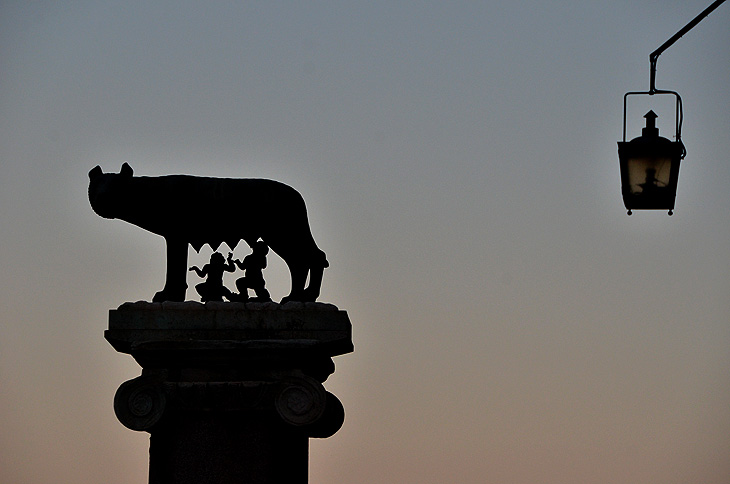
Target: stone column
[{"x": 230, "y": 392}]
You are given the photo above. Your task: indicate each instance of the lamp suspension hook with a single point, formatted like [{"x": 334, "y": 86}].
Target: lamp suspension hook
[{"x": 678, "y": 115}]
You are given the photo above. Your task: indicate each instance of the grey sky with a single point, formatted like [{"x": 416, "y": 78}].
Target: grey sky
[{"x": 511, "y": 324}]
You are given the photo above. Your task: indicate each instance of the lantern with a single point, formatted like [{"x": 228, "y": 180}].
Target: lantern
[{"x": 650, "y": 169}]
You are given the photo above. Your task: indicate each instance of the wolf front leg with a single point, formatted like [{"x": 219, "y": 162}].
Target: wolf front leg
[{"x": 177, "y": 259}]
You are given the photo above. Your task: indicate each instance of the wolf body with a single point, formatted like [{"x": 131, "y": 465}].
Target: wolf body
[{"x": 196, "y": 210}]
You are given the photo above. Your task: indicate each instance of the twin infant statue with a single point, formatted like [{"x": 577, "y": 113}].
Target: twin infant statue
[{"x": 252, "y": 265}]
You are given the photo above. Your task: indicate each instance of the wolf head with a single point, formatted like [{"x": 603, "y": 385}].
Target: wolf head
[{"x": 108, "y": 191}]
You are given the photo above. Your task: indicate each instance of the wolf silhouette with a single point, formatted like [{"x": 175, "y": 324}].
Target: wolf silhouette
[{"x": 198, "y": 210}]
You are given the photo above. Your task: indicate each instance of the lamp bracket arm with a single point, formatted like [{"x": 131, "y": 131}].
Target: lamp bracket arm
[{"x": 655, "y": 55}]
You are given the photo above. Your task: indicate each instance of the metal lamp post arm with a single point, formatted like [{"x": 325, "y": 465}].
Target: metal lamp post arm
[{"x": 655, "y": 55}]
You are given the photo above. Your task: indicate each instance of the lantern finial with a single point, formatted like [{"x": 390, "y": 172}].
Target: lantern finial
[{"x": 651, "y": 129}]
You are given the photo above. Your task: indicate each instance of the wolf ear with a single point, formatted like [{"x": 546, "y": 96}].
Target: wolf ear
[
  {"x": 96, "y": 171},
  {"x": 126, "y": 170}
]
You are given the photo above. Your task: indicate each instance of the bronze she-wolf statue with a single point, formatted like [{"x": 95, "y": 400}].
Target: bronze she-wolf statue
[{"x": 198, "y": 210}]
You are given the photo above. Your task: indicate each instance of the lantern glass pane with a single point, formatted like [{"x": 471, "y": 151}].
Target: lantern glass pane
[{"x": 648, "y": 175}]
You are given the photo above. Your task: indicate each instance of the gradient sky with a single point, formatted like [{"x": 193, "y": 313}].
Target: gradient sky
[{"x": 512, "y": 325}]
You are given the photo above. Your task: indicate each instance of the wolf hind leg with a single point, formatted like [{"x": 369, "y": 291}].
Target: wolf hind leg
[
  {"x": 298, "y": 279},
  {"x": 316, "y": 272}
]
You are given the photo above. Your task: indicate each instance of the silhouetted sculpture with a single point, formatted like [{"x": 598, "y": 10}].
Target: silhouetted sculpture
[
  {"x": 213, "y": 289},
  {"x": 253, "y": 265},
  {"x": 198, "y": 210}
]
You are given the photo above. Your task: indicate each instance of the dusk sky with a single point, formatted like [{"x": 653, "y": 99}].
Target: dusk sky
[{"x": 512, "y": 325}]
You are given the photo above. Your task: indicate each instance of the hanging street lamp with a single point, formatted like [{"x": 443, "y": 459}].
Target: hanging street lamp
[{"x": 650, "y": 163}]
